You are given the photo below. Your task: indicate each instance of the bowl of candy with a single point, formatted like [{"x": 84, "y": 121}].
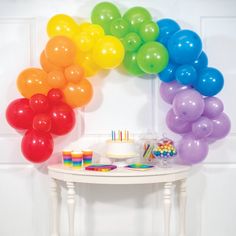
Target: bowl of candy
[{"x": 164, "y": 151}]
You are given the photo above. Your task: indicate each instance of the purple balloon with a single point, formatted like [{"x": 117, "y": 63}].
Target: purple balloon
[
  {"x": 169, "y": 90},
  {"x": 177, "y": 125},
  {"x": 202, "y": 128},
  {"x": 221, "y": 126},
  {"x": 213, "y": 107},
  {"x": 188, "y": 105},
  {"x": 192, "y": 150}
]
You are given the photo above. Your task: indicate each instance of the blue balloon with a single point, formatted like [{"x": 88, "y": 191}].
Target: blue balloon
[
  {"x": 201, "y": 62},
  {"x": 168, "y": 74},
  {"x": 167, "y": 28},
  {"x": 210, "y": 82},
  {"x": 184, "y": 47},
  {"x": 186, "y": 75}
]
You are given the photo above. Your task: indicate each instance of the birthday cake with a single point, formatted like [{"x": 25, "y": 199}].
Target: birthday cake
[{"x": 120, "y": 146}]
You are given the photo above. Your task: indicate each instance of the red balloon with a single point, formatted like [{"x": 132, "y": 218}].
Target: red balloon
[
  {"x": 42, "y": 122},
  {"x": 55, "y": 96},
  {"x": 37, "y": 146},
  {"x": 19, "y": 114},
  {"x": 63, "y": 119},
  {"x": 39, "y": 103}
]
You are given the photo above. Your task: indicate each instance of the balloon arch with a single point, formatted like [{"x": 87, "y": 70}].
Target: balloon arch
[{"x": 76, "y": 51}]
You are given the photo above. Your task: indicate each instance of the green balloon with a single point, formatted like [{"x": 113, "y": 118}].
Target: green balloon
[
  {"x": 149, "y": 31},
  {"x": 132, "y": 42},
  {"x": 135, "y": 16},
  {"x": 119, "y": 28},
  {"x": 131, "y": 65},
  {"x": 152, "y": 57},
  {"x": 103, "y": 14}
]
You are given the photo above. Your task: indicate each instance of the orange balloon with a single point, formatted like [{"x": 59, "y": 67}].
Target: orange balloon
[
  {"x": 78, "y": 95},
  {"x": 32, "y": 81},
  {"x": 56, "y": 79},
  {"x": 87, "y": 62},
  {"x": 74, "y": 73},
  {"x": 47, "y": 65},
  {"x": 61, "y": 51}
]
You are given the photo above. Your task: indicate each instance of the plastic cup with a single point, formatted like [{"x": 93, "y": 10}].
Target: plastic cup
[
  {"x": 77, "y": 160},
  {"x": 87, "y": 157},
  {"x": 67, "y": 158}
]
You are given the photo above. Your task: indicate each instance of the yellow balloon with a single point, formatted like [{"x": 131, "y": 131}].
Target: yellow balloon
[
  {"x": 96, "y": 31},
  {"x": 86, "y": 61},
  {"x": 84, "y": 41},
  {"x": 61, "y": 24},
  {"x": 83, "y": 26},
  {"x": 108, "y": 52}
]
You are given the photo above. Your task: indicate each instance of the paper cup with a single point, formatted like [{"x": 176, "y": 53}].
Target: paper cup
[
  {"x": 87, "y": 157},
  {"x": 77, "y": 160},
  {"x": 67, "y": 158}
]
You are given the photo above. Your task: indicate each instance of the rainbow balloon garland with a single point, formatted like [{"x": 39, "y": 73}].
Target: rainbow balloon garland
[{"x": 76, "y": 51}]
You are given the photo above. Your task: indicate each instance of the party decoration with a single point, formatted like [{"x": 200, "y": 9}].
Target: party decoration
[
  {"x": 84, "y": 41},
  {"x": 56, "y": 79},
  {"x": 42, "y": 122},
  {"x": 213, "y": 107},
  {"x": 176, "y": 124},
  {"x": 47, "y": 65},
  {"x": 169, "y": 90},
  {"x": 131, "y": 65},
  {"x": 119, "y": 28},
  {"x": 184, "y": 47},
  {"x": 201, "y": 62},
  {"x": 202, "y": 128},
  {"x": 108, "y": 52},
  {"x": 55, "y": 96},
  {"x": 161, "y": 49},
  {"x": 149, "y": 31},
  {"x": 60, "y": 51},
  {"x": 132, "y": 42},
  {"x": 103, "y": 13},
  {"x": 63, "y": 119},
  {"x": 94, "y": 30},
  {"x": 152, "y": 57},
  {"x": 39, "y": 103},
  {"x": 135, "y": 16},
  {"x": 168, "y": 74},
  {"x": 62, "y": 24},
  {"x": 210, "y": 82},
  {"x": 188, "y": 105},
  {"x": 192, "y": 150},
  {"x": 221, "y": 126},
  {"x": 77, "y": 95},
  {"x": 37, "y": 146},
  {"x": 167, "y": 27},
  {"x": 86, "y": 61},
  {"x": 186, "y": 74},
  {"x": 31, "y": 81},
  {"x": 19, "y": 114},
  {"x": 74, "y": 73}
]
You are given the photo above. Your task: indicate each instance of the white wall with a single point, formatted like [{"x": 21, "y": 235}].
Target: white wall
[{"x": 120, "y": 101}]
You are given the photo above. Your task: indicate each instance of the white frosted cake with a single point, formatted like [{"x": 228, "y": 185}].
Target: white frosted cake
[{"x": 120, "y": 149}]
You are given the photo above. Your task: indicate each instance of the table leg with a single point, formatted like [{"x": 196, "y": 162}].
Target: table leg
[
  {"x": 55, "y": 215},
  {"x": 71, "y": 206},
  {"x": 182, "y": 207},
  {"x": 167, "y": 207}
]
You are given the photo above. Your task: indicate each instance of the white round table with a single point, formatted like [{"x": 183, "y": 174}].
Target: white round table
[{"x": 168, "y": 176}]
